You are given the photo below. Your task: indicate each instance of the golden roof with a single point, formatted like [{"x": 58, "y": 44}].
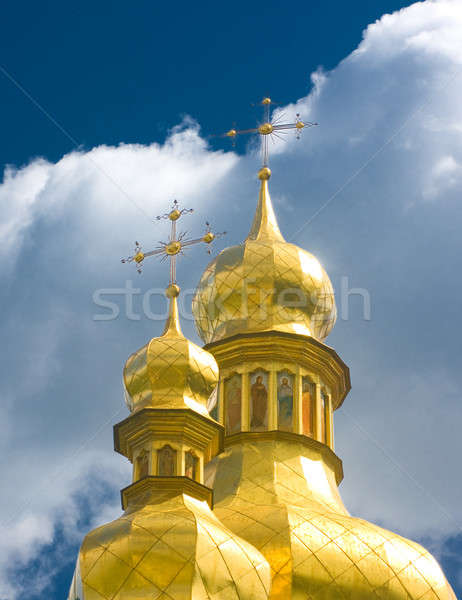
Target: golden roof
[
  {"x": 170, "y": 371},
  {"x": 266, "y": 520},
  {"x": 172, "y": 549},
  {"x": 282, "y": 497},
  {"x": 266, "y": 284}
]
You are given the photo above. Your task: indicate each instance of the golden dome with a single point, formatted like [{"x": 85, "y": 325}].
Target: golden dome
[
  {"x": 264, "y": 284},
  {"x": 281, "y": 496},
  {"x": 172, "y": 549},
  {"x": 170, "y": 371}
]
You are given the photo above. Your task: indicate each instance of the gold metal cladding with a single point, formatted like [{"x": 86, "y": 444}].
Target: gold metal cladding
[
  {"x": 265, "y": 129},
  {"x": 170, "y": 371},
  {"x": 175, "y": 425},
  {"x": 264, "y": 173},
  {"x": 173, "y": 291},
  {"x": 286, "y": 348},
  {"x": 174, "y": 215},
  {"x": 263, "y": 285},
  {"x": 327, "y": 455},
  {"x": 175, "y": 549},
  {"x": 208, "y": 237},
  {"x": 148, "y": 490},
  {"x": 173, "y": 248},
  {"x": 283, "y": 499}
]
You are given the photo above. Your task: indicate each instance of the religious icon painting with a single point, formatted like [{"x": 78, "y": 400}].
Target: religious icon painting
[
  {"x": 308, "y": 400},
  {"x": 259, "y": 400},
  {"x": 191, "y": 462},
  {"x": 142, "y": 464},
  {"x": 166, "y": 461},
  {"x": 285, "y": 382},
  {"x": 233, "y": 403}
]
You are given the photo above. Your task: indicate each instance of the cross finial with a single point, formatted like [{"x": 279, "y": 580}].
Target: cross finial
[
  {"x": 175, "y": 245},
  {"x": 270, "y": 127}
]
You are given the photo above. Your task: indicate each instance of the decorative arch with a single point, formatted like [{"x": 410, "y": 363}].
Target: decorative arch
[
  {"x": 166, "y": 461},
  {"x": 142, "y": 464},
  {"x": 191, "y": 465},
  {"x": 285, "y": 399},
  {"x": 233, "y": 403}
]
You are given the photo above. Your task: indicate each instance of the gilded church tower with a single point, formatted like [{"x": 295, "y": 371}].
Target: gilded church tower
[{"x": 243, "y": 503}]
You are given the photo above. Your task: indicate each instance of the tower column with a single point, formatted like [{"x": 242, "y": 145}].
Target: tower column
[
  {"x": 245, "y": 402},
  {"x": 317, "y": 414},
  {"x": 329, "y": 423}
]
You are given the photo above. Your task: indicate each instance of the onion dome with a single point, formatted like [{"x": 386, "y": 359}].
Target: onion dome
[
  {"x": 265, "y": 284},
  {"x": 170, "y": 371}
]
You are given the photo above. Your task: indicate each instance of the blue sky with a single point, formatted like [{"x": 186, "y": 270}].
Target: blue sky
[
  {"x": 110, "y": 72},
  {"x": 374, "y": 192}
]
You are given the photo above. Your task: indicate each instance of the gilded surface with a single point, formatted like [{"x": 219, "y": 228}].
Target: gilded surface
[
  {"x": 283, "y": 499},
  {"x": 265, "y": 284},
  {"x": 173, "y": 549},
  {"x": 170, "y": 371},
  {"x": 278, "y": 529}
]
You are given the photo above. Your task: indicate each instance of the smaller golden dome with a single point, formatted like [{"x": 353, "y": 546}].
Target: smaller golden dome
[{"x": 170, "y": 371}]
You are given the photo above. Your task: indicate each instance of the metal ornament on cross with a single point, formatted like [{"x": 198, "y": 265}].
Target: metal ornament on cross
[
  {"x": 269, "y": 128},
  {"x": 175, "y": 244}
]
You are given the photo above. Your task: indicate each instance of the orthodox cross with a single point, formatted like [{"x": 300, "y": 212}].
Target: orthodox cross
[
  {"x": 175, "y": 244},
  {"x": 270, "y": 127}
]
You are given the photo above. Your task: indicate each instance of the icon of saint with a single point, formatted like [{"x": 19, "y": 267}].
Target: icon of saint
[
  {"x": 285, "y": 405},
  {"x": 233, "y": 405},
  {"x": 166, "y": 461},
  {"x": 259, "y": 398},
  {"x": 143, "y": 465},
  {"x": 191, "y": 465}
]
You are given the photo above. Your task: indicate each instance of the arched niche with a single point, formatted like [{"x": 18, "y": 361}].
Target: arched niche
[
  {"x": 191, "y": 465},
  {"x": 258, "y": 400},
  {"x": 285, "y": 396},
  {"x": 232, "y": 397},
  {"x": 142, "y": 464},
  {"x": 166, "y": 461}
]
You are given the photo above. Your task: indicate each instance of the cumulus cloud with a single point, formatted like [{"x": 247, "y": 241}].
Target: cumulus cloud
[{"x": 381, "y": 174}]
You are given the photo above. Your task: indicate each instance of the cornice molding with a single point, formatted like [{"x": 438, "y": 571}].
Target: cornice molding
[
  {"x": 150, "y": 487},
  {"x": 281, "y": 346},
  {"x": 173, "y": 424}
]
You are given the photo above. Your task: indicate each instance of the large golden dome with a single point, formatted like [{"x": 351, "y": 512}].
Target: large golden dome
[
  {"x": 170, "y": 371},
  {"x": 265, "y": 284}
]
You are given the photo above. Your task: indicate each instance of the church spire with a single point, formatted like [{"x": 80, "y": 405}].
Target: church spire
[
  {"x": 265, "y": 225},
  {"x": 172, "y": 325}
]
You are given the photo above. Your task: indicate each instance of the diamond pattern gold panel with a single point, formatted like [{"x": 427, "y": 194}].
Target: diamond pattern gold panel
[
  {"x": 315, "y": 549},
  {"x": 264, "y": 285},
  {"x": 174, "y": 550},
  {"x": 170, "y": 372}
]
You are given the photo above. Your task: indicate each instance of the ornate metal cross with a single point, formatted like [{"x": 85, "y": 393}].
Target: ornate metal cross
[
  {"x": 269, "y": 128},
  {"x": 175, "y": 244}
]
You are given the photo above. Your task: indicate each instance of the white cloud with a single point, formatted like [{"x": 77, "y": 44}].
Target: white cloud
[{"x": 392, "y": 106}]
